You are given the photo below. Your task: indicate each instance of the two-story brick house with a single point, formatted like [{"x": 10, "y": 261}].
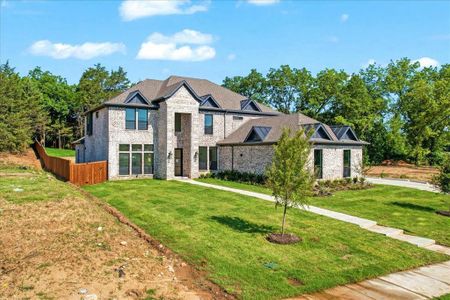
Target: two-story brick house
[{"x": 185, "y": 126}]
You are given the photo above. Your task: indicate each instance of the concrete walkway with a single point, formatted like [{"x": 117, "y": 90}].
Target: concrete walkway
[
  {"x": 370, "y": 225},
  {"x": 403, "y": 183},
  {"x": 422, "y": 283}
]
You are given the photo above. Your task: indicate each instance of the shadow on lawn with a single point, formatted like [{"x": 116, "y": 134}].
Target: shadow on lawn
[
  {"x": 241, "y": 225},
  {"x": 413, "y": 206}
]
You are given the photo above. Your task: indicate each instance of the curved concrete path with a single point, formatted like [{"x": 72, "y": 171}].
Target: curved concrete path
[
  {"x": 422, "y": 283},
  {"x": 403, "y": 183}
]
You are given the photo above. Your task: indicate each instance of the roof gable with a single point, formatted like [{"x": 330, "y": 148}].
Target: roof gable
[
  {"x": 249, "y": 105},
  {"x": 209, "y": 101},
  {"x": 319, "y": 131},
  {"x": 136, "y": 97},
  {"x": 344, "y": 133},
  {"x": 257, "y": 134}
]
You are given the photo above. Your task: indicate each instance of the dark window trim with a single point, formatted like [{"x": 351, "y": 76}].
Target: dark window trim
[
  {"x": 209, "y": 129},
  {"x": 200, "y": 166},
  {"x": 143, "y": 123},
  {"x": 89, "y": 124},
  {"x": 129, "y": 122},
  {"x": 347, "y": 170},
  {"x": 213, "y": 165},
  {"x": 318, "y": 172},
  {"x": 130, "y": 153},
  {"x": 178, "y": 122}
]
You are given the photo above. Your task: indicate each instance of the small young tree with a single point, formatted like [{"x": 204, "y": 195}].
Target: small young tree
[{"x": 289, "y": 176}]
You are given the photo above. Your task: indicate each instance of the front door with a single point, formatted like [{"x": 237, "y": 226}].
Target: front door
[{"x": 178, "y": 162}]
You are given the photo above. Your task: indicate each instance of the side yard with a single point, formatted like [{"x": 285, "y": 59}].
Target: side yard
[
  {"x": 224, "y": 234},
  {"x": 60, "y": 152},
  {"x": 404, "y": 208},
  {"x": 54, "y": 242}
]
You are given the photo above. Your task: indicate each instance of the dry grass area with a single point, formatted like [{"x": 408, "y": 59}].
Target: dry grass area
[
  {"x": 55, "y": 242},
  {"x": 402, "y": 170}
]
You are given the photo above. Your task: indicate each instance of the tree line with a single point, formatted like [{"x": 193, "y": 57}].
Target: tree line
[
  {"x": 403, "y": 110},
  {"x": 43, "y": 106}
]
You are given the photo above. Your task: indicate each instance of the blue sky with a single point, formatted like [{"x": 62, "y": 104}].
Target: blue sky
[{"x": 214, "y": 39}]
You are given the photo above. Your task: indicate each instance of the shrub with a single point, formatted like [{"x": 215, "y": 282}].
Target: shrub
[
  {"x": 355, "y": 180},
  {"x": 244, "y": 177},
  {"x": 443, "y": 179}
]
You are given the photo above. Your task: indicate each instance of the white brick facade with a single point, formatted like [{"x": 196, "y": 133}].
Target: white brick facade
[{"x": 109, "y": 132}]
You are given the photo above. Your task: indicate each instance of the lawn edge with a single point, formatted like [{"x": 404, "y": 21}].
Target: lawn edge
[{"x": 200, "y": 283}]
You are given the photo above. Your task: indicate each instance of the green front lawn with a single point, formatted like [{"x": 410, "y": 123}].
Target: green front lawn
[
  {"x": 224, "y": 234},
  {"x": 408, "y": 209},
  {"x": 60, "y": 152}
]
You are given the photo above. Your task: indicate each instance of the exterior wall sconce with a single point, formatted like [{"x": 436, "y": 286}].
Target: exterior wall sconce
[
  {"x": 195, "y": 155},
  {"x": 169, "y": 155}
]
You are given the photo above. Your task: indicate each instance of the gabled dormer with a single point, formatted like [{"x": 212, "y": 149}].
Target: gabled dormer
[
  {"x": 319, "y": 131},
  {"x": 209, "y": 101},
  {"x": 257, "y": 134},
  {"x": 249, "y": 105},
  {"x": 344, "y": 133},
  {"x": 136, "y": 97}
]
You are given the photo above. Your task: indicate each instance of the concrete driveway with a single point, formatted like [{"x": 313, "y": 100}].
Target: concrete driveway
[{"x": 404, "y": 183}]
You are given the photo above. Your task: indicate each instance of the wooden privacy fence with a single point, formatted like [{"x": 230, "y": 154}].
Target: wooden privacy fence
[{"x": 79, "y": 174}]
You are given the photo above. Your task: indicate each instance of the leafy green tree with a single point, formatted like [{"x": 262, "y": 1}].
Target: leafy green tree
[
  {"x": 253, "y": 86},
  {"x": 97, "y": 85},
  {"x": 289, "y": 176},
  {"x": 59, "y": 103},
  {"x": 20, "y": 110}
]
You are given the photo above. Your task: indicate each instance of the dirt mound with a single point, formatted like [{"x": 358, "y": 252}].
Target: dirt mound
[
  {"x": 27, "y": 159},
  {"x": 284, "y": 239},
  {"x": 69, "y": 248}
]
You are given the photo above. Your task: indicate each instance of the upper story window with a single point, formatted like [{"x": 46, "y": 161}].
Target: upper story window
[
  {"x": 177, "y": 122},
  {"x": 208, "y": 124},
  {"x": 89, "y": 124},
  {"x": 130, "y": 118},
  {"x": 142, "y": 118}
]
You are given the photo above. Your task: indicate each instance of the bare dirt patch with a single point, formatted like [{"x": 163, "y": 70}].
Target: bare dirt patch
[
  {"x": 403, "y": 170},
  {"x": 26, "y": 159},
  {"x": 287, "y": 238},
  {"x": 71, "y": 247}
]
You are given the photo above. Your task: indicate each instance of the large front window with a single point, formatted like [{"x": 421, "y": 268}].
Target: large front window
[
  {"x": 208, "y": 124},
  {"x": 136, "y": 159},
  {"x": 203, "y": 158},
  {"x": 318, "y": 167},
  {"x": 213, "y": 158},
  {"x": 347, "y": 163}
]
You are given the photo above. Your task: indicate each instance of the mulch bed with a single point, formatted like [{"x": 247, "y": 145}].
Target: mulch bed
[
  {"x": 287, "y": 238},
  {"x": 443, "y": 213}
]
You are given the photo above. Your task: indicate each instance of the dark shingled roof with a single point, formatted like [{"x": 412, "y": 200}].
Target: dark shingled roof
[
  {"x": 159, "y": 89},
  {"x": 277, "y": 123}
]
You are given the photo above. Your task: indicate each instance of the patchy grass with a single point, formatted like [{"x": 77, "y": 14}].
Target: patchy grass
[
  {"x": 404, "y": 208},
  {"x": 19, "y": 185},
  {"x": 225, "y": 234},
  {"x": 55, "y": 241},
  {"x": 60, "y": 152}
]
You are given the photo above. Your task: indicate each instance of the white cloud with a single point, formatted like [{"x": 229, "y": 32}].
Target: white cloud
[
  {"x": 231, "y": 56},
  {"x": 186, "y": 36},
  {"x": 176, "y": 47},
  {"x": 136, "y": 9},
  {"x": 83, "y": 51},
  {"x": 262, "y": 2},
  {"x": 427, "y": 62},
  {"x": 344, "y": 18}
]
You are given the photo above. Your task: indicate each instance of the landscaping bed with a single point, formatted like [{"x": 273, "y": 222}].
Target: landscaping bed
[{"x": 224, "y": 234}]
